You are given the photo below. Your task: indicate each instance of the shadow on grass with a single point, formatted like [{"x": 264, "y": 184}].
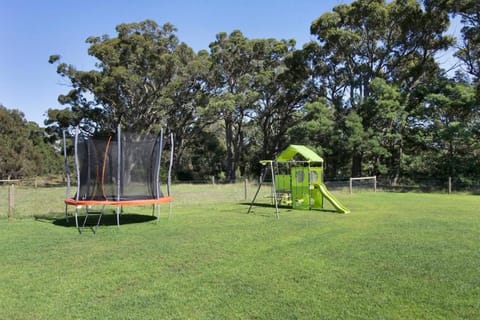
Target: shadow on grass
[
  {"x": 287, "y": 208},
  {"x": 107, "y": 219}
]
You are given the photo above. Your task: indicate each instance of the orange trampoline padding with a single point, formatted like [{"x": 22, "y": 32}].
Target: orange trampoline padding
[{"x": 139, "y": 202}]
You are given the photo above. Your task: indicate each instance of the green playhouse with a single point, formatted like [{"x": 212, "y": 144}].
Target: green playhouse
[{"x": 297, "y": 181}]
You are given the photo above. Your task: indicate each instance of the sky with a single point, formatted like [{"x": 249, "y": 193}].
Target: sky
[{"x": 31, "y": 31}]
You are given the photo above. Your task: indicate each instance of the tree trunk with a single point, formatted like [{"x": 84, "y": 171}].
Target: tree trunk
[
  {"x": 229, "y": 161},
  {"x": 357, "y": 164},
  {"x": 398, "y": 166}
]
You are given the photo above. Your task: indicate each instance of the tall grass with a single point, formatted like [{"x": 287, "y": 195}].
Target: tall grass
[{"x": 396, "y": 256}]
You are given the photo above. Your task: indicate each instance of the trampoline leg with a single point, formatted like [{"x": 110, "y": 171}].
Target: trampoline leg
[
  {"x": 157, "y": 206},
  {"x": 118, "y": 216},
  {"x": 66, "y": 213},
  {"x": 76, "y": 219}
]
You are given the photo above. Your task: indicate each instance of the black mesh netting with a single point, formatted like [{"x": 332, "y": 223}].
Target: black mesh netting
[{"x": 108, "y": 171}]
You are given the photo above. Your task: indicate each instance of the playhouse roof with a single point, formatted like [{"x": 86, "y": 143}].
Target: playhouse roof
[{"x": 294, "y": 149}]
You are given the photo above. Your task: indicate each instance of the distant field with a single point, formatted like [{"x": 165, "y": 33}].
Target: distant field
[{"x": 396, "y": 256}]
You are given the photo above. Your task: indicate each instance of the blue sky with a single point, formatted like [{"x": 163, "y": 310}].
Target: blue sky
[{"x": 30, "y": 31}]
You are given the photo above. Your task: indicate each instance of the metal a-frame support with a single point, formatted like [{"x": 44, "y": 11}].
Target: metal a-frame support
[
  {"x": 274, "y": 189},
  {"x": 89, "y": 213}
]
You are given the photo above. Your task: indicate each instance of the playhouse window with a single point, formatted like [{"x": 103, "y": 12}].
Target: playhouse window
[{"x": 299, "y": 176}]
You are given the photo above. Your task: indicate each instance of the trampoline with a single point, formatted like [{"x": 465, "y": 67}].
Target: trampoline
[{"x": 121, "y": 170}]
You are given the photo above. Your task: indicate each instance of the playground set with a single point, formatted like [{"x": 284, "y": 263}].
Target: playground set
[{"x": 296, "y": 177}]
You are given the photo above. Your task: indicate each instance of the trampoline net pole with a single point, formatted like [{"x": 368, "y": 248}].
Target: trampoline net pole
[
  {"x": 67, "y": 173},
  {"x": 169, "y": 175},
  {"x": 119, "y": 171},
  {"x": 77, "y": 167},
  {"x": 67, "y": 167},
  {"x": 77, "y": 164},
  {"x": 158, "y": 159},
  {"x": 170, "y": 165}
]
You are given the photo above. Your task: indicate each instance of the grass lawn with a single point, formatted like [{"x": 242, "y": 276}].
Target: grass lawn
[{"x": 396, "y": 256}]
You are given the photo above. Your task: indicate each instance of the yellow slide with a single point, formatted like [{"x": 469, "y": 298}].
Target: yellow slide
[{"x": 335, "y": 203}]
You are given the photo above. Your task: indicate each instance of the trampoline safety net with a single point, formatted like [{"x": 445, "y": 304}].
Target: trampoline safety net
[{"x": 118, "y": 168}]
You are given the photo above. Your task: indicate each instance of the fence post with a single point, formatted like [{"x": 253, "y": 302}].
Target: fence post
[
  {"x": 449, "y": 185},
  {"x": 350, "y": 185},
  {"x": 11, "y": 201}
]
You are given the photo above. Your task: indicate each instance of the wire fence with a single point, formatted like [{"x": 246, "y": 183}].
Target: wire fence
[
  {"x": 36, "y": 197},
  {"x": 23, "y": 200}
]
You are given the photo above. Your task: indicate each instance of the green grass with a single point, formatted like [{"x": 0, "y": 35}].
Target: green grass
[{"x": 396, "y": 256}]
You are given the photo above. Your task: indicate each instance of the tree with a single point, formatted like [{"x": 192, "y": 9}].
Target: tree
[
  {"x": 185, "y": 100},
  {"x": 127, "y": 85},
  {"x": 387, "y": 116},
  {"x": 144, "y": 79},
  {"x": 232, "y": 96},
  {"x": 469, "y": 50},
  {"x": 449, "y": 126},
  {"x": 279, "y": 77},
  {"x": 366, "y": 40},
  {"x": 257, "y": 88},
  {"x": 317, "y": 129},
  {"x": 24, "y": 150}
]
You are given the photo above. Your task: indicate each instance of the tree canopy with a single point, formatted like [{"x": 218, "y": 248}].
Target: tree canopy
[
  {"x": 367, "y": 93},
  {"x": 25, "y": 148}
]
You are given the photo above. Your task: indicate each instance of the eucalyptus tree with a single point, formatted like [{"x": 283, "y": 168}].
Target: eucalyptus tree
[
  {"x": 232, "y": 96},
  {"x": 279, "y": 73},
  {"x": 469, "y": 49},
  {"x": 127, "y": 85},
  {"x": 257, "y": 87},
  {"x": 185, "y": 101},
  {"x": 395, "y": 41}
]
